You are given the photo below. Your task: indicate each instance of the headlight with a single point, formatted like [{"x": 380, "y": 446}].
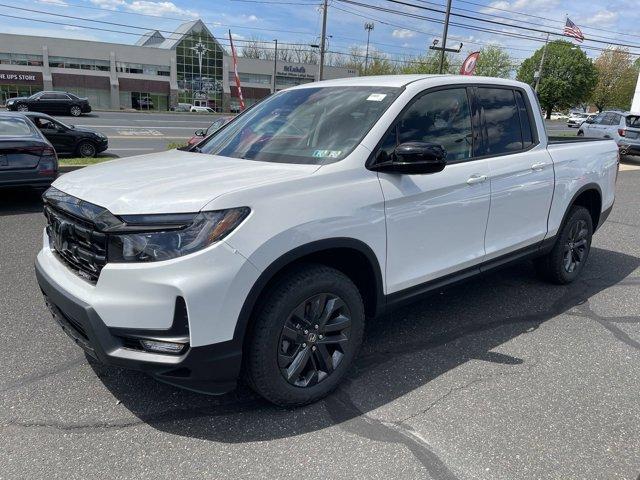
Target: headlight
[
  {"x": 171, "y": 236},
  {"x": 10, "y": 102}
]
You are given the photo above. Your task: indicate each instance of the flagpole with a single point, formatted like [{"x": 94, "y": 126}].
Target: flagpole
[{"x": 544, "y": 51}]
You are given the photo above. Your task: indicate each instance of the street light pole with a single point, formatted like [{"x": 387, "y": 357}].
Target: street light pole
[
  {"x": 368, "y": 26},
  {"x": 544, "y": 51},
  {"x": 275, "y": 65},
  {"x": 444, "y": 36},
  {"x": 323, "y": 39}
]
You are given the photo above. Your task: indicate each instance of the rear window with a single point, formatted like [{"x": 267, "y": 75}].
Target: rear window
[
  {"x": 633, "y": 121},
  {"x": 15, "y": 127},
  {"x": 502, "y": 120}
]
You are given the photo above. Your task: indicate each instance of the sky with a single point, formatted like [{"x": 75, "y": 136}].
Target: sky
[{"x": 300, "y": 22}]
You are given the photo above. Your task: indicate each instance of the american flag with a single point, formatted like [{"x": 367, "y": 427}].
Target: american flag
[{"x": 572, "y": 30}]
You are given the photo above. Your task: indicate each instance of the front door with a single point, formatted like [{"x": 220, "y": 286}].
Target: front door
[
  {"x": 435, "y": 222},
  {"x": 521, "y": 172},
  {"x": 59, "y": 136}
]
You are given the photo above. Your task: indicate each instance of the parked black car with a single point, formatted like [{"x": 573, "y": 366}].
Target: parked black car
[
  {"x": 69, "y": 139},
  {"x": 55, "y": 103},
  {"x": 26, "y": 156}
]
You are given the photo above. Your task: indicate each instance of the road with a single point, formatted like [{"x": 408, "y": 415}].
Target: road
[
  {"x": 503, "y": 377},
  {"x": 139, "y": 133}
]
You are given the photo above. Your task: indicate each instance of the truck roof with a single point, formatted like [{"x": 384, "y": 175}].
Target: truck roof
[{"x": 403, "y": 80}]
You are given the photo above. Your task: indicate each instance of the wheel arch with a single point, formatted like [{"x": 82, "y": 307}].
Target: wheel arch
[
  {"x": 590, "y": 197},
  {"x": 352, "y": 257}
]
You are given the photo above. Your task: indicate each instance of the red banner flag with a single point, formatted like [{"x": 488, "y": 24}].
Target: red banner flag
[
  {"x": 235, "y": 71},
  {"x": 469, "y": 65}
]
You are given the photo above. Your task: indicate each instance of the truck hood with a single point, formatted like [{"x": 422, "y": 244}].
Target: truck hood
[{"x": 172, "y": 181}]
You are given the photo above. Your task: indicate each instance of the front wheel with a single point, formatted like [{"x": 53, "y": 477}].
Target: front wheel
[
  {"x": 306, "y": 335},
  {"x": 75, "y": 111},
  {"x": 569, "y": 254},
  {"x": 86, "y": 150},
  {"x": 23, "y": 108}
]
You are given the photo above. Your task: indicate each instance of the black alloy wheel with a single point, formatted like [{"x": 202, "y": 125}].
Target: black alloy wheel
[
  {"x": 314, "y": 340},
  {"x": 87, "y": 150},
  {"x": 575, "y": 248}
]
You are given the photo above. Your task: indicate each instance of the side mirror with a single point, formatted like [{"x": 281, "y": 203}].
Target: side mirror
[
  {"x": 415, "y": 158},
  {"x": 589, "y": 120},
  {"x": 200, "y": 132}
]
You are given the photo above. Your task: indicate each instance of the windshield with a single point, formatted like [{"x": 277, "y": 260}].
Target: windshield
[{"x": 315, "y": 125}]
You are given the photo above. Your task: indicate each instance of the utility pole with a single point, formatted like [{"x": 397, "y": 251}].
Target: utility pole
[
  {"x": 275, "y": 66},
  {"x": 544, "y": 51},
  {"x": 368, "y": 26},
  {"x": 323, "y": 40},
  {"x": 444, "y": 36}
]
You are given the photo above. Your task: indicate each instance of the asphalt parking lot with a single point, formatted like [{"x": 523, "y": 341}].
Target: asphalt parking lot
[{"x": 503, "y": 377}]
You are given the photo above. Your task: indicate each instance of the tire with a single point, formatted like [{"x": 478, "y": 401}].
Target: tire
[
  {"x": 22, "y": 108},
  {"x": 75, "y": 111},
  {"x": 305, "y": 336},
  {"x": 580, "y": 133},
  {"x": 569, "y": 254},
  {"x": 86, "y": 149}
]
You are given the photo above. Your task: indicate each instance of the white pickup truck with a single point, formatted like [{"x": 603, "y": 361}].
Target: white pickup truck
[{"x": 259, "y": 253}]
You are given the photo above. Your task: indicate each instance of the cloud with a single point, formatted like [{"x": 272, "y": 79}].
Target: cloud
[
  {"x": 602, "y": 17},
  {"x": 56, "y": 3},
  {"x": 520, "y": 5},
  {"x": 71, "y": 27},
  {"x": 146, "y": 7},
  {"x": 403, "y": 33}
]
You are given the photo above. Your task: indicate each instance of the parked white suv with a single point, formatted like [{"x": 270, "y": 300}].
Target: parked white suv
[
  {"x": 260, "y": 252},
  {"x": 622, "y": 127}
]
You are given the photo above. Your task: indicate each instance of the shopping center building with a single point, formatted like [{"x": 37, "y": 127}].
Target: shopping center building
[{"x": 161, "y": 70}]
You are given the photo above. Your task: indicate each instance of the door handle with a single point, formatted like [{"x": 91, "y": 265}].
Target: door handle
[
  {"x": 473, "y": 179},
  {"x": 538, "y": 166}
]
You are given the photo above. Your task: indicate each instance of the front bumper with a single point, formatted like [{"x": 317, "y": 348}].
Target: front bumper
[{"x": 211, "y": 369}]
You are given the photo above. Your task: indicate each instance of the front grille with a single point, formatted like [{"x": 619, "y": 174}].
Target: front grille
[{"x": 77, "y": 242}]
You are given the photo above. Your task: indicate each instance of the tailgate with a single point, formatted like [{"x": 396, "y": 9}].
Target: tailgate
[{"x": 633, "y": 127}]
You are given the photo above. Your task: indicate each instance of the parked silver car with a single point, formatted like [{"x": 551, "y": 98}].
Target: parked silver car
[{"x": 623, "y": 127}]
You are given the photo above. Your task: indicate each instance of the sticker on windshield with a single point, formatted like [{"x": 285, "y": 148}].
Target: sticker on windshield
[
  {"x": 376, "y": 97},
  {"x": 327, "y": 153}
]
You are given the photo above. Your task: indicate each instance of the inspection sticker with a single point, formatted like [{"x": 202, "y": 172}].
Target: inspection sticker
[
  {"x": 327, "y": 153},
  {"x": 376, "y": 97}
]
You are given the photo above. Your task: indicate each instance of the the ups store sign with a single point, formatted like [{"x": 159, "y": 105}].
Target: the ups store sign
[{"x": 21, "y": 78}]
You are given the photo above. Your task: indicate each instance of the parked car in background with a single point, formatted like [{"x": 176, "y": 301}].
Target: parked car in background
[
  {"x": 54, "y": 103},
  {"x": 216, "y": 125},
  {"x": 144, "y": 103},
  {"x": 69, "y": 139},
  {"x": 623, "y": 127},
  {"x": 558, "y": 116},
  {"x": 261, "y": 254},
  {"x": 196, "y": 108},
  {"x": 181, "y": 107},
  {"x": 26, "y": 156},
  {"x": 576, "y": 119}
]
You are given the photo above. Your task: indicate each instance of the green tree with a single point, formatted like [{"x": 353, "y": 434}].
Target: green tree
[
  {"x": 494, "y": 61},
  {"x": 617, "y": 78},
  {"x": 427, "y": 64},
  {"x": 568, "y": 75}
]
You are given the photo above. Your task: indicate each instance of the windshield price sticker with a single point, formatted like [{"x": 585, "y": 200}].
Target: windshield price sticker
[
  {"x": 376, "y": 97},
  {"x": 327, "y": 153}
]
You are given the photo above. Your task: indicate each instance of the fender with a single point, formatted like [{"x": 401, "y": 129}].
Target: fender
[
  {"x": 581, "y": 190},
  {"x": 297, "y": 253}
]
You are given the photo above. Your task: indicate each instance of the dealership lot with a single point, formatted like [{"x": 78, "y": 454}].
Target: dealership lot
[{"x": 501, "y": 377}]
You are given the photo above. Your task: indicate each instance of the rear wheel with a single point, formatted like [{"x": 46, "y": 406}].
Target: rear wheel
[
  {"x": 580, "y": 133},
  {"x": 75, "y": 111},
  {"x": 305, "y": 337},
  {"x": 569, "y": 254},
  {"x": 86, "y": 150}
]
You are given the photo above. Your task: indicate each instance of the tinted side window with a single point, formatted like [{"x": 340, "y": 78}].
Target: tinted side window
[
  {"x": 441, "y": 117},
  {"x": 47, "y": 96},
  {"x": 598, "y": 118},
  {"x": 502, "y": 121},
  {"x": 614, "y": 119},
  {"x": 525, "y": 121}
]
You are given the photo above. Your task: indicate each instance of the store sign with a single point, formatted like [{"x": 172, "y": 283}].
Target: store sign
[
  {"x": 20, "y": 77},
  {"x": 295, "y": 71}
]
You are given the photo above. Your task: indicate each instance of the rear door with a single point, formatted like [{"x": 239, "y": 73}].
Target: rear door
[
  {"x": 60, "y": 137},
  {"x": 520, "y": 171},
  {"x": 20, "y": 144},
  {"x": 595, "y": 128},
  {"x": 610, "y": 125}
]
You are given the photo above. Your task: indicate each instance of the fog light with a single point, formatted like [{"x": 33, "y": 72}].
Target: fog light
[{"x": 162, "y": 347}]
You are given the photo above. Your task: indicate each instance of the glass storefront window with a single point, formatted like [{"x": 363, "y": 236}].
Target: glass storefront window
[
  {"x": 79, "y": 63},
  {"x": 260, "y": 78},
  {"x": 20, "y": 59}
]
